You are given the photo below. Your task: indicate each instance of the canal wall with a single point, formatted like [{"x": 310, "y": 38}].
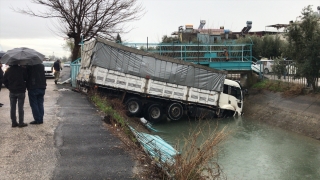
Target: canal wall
[{"x": 300, "y": 114}]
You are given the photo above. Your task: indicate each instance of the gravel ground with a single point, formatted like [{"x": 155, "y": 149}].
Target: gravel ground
[{"x": 29, "y": 152}]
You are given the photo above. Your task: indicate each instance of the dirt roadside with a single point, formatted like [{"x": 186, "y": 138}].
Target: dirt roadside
[{"x": 300, "y": 114}]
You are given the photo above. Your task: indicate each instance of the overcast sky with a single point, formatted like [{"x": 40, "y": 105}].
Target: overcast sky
[{"x": 162, "y": 17}]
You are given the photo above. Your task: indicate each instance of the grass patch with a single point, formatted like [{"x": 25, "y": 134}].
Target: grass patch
[
  {"x": 196, "y": 161},
  {"x": 286, "y": 88},
  {"x": 114, "y": 113}
]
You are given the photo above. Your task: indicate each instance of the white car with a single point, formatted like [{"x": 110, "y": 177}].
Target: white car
[
  {"x": 66, "y": 64},
  {"x": 263, "y": 66},
  {"x": 255, "y": 66},
  {"x": 4, "y": 67},
  {"x": 49, "y": 72}
]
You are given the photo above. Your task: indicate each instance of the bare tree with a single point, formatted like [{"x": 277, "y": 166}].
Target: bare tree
[
  {"x": 69, "y": 46},
  {"x": 86, "y": 19}
]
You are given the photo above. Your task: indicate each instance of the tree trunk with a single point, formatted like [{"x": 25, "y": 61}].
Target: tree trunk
[
  {"x": 76, "y": 49},
  {"x": 312, "y": 83},
  {"x": 314, "y": 86}
]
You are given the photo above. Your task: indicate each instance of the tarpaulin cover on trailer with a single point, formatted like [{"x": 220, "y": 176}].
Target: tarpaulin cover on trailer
[{"x": 109, "y": 55}]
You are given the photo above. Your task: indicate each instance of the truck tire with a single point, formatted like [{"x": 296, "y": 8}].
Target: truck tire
[
  {"x": 145, "y": 111},
  {"x": 134, "y": 107},
  {"x": 175, "y": 111},
  {"x": 155, "y": 113},
  {"x": 223, "y": 113}
]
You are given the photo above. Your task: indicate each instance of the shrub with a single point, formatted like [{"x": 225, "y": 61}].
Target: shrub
[
  {"x": 194, "y": 163},
  {"x": 286, "y": 88},
  {"x": 196, "y": 159}
]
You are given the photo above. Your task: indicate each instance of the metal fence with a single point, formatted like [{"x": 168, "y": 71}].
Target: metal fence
[
  {"x": 198, "y": 52},
  {"x": 228, "y": 56},
  {"x": 75, "y": 68},
  {"x": 291, "y": 78},
  {"x": 266, "y": 68}
]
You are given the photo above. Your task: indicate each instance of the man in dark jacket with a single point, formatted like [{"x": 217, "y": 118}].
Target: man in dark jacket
[
  {"x": 15, "y": 80},
  {"x": 36, "y": 85},
  {"x": 1, "y": 77},
  {"x": 57, "y": 67}
]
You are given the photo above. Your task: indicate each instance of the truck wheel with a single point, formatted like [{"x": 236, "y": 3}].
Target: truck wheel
[
  {"x": 175, "y": 111},
  {"x": 134, "y": 106},
  {"x": 221, "y": 113},
  {"x": 225, "y": 113},
  {"x": 145, "y": 111},
  {"x": 154, "y": 113}
]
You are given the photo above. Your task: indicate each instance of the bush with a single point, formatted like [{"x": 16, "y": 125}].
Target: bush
[
  {"x": 197, "y": 160},
  {"x": 114, "y": 112},
  {"x": 286, "y": 88}
]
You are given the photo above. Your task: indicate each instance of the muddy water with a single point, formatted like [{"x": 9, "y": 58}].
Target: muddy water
[{"x": 254, "y": 150}]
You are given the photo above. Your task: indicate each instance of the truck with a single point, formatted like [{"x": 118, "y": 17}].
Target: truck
[{"x": 151, "y": 85}]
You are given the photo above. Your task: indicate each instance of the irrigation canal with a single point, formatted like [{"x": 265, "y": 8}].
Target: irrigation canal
[{"x": 254, "y": 150}]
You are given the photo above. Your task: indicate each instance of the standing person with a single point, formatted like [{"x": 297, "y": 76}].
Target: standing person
[
  {"x": 15, "y": 80},
  {"x": 1, "y": 77},
  {"x": 36, "y": 85},
  {"x": 57, "y": 67},
  {"x": 225, "y": 52}
]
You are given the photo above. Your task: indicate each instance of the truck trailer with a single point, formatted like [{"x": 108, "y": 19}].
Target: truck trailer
[{"x": 151, "y": 85}]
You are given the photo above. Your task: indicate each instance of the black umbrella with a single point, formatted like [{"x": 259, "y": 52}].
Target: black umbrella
[{"x": 22, "y": 56}]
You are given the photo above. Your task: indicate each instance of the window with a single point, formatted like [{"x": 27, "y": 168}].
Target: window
[
  {"x": 48, "y": 64},
  {"x": 236, "y": 92},
  {"x": 225, "y": 89}
]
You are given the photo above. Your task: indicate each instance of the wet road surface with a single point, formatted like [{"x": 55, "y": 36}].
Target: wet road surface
[{"x": 72, "y": 143}]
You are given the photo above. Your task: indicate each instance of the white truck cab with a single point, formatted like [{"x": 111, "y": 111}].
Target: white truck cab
[{"x": 231, "y": 98}]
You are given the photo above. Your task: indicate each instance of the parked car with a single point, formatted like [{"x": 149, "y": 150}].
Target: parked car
[
  {"x": 49, "y": 72},
  {"x": 255, "y": 66},
  {"x": 4, "y": 67},
  {"x": 66, "y": 64},
  {"x": 263, "y": 66},
  {"x": 267, "y": 66}
]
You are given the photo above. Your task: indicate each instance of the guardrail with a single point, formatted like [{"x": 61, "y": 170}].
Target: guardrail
[
  {"x": 75, "y": 68},
  {"x": 231, "y": 57}
]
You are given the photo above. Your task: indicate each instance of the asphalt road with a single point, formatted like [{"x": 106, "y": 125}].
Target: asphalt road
[{"x": 73, "y": 142}]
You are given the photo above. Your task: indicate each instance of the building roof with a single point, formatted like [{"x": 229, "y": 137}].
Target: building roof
[
  {"x": 278, "y": 26},
  {"x": 211, "y": 31}
]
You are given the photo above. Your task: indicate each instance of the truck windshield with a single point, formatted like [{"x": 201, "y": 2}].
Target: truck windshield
[
  {"x": 236, "y": 92},
  {"x": 233, "y": 91}
]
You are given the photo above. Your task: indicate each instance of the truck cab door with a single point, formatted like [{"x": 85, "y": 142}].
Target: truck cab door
[
  {"x": 236, "y": 98},
  {"x": 231, "y": 99}
]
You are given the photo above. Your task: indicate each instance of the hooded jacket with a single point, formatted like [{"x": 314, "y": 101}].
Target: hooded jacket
[
  {"x": 36, "y": 77},
  {"x": 15, "y": 79},
  {"x": 57, "y": 65}
]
